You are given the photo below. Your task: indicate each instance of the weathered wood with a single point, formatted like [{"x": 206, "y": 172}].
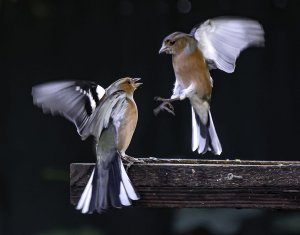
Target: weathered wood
[{"x": 207, "y": 183}]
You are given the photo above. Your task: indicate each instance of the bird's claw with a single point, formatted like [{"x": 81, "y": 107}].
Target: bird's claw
[
  {"x": 130, "y": 161},
  {"x": 165, "y": 105}
]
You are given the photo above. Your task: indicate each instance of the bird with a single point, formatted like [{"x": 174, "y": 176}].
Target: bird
[
  {"x": 213, "y": 44},
  {"x": 108, "y": 115}
]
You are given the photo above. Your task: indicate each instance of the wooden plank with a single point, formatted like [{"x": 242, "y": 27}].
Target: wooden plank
[{"x": 206, "y": 183}]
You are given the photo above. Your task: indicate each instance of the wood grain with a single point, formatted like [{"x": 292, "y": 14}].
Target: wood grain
[{"x": 206, "y": 183}]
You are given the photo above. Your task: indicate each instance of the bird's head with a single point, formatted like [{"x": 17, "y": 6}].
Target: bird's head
[
  {"x": 127, "y": 84},
  {"x": 175, "y": 43}
]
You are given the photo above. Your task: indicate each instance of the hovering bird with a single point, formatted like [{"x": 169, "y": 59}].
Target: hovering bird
[
  {"x": 109, "y": 115},
  {"x": 214, "y": 44}
]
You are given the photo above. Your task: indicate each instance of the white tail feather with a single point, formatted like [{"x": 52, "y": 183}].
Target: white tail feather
[
  {"x": 87, "y": 202},
  {"x": 198, "y": 142},
  {"x": 214, "y": 137},
  {"x": 195, "y": 132},
  {"x": 85, "y": 199},
  {"x": 127, "y": 184},
  {"x": 125, "y": 201}
]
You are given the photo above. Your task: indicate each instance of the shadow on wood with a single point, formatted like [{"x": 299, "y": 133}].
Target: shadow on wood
[{"x": 206, "y": 183}]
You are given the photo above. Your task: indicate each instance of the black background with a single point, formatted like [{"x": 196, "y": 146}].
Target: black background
[{"x": 254, "y": 109}]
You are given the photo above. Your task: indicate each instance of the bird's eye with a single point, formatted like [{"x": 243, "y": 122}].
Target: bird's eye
[
  {"x": 172, "y": 43},
  {"x": 128, "y": 82}
]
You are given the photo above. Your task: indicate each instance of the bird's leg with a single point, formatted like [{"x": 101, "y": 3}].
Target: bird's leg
[
  {"x": 130, "y": 160},
  {"x": 165, "y": 105}
]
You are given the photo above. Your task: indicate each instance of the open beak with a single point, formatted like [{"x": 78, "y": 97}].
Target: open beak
[
  {"x": 163, "y": 49},
  {"x": 137, "y": 84}
]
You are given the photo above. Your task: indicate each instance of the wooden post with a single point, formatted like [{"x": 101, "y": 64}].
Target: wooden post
[{"x": 206, "y": 183}]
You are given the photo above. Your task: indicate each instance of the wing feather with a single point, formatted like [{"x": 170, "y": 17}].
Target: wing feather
[
  {"x": 103, "y": 114},
  {"x": 74, "y": 100},
  {"x": 222, "y": 39}
]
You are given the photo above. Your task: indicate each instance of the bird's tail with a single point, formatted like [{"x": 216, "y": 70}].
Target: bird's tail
[
  {"x": 204, "y": 136},
  {"x": 107, "y": 188}
]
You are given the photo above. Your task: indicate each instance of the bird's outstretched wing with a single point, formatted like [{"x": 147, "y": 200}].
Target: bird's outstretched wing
[
  {"x": 74, "y": 100},
  {"x": 222, "y": 39}
]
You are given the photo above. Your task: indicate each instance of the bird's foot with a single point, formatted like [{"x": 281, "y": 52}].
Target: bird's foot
[
  {"x": 160, "y": 99},
  {"x": 164, "y": 106},
  {"x": 130, "y": 160}
]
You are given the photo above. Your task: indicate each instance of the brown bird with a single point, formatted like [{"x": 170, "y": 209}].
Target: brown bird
[
  {"x": 110, "y": 116},
  {"x": 216, "y": 43}
]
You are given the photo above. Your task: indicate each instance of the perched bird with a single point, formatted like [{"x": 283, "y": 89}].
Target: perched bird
[
  {"x": 110, "y": 116},
  {"x": 216, "y": 43}
]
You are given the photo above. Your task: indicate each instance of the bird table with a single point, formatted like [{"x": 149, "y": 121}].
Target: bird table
[{"x": 179, "y": 183}]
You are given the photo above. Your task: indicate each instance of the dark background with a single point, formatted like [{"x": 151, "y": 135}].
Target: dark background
[{"x": 254, "y": 109}]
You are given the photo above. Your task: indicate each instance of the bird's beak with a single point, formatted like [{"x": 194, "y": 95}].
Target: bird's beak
[
  {"x": 137, "y": 84},
  {"x": 136, "y": 79},
  {"x": 163, "y": 49}
]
